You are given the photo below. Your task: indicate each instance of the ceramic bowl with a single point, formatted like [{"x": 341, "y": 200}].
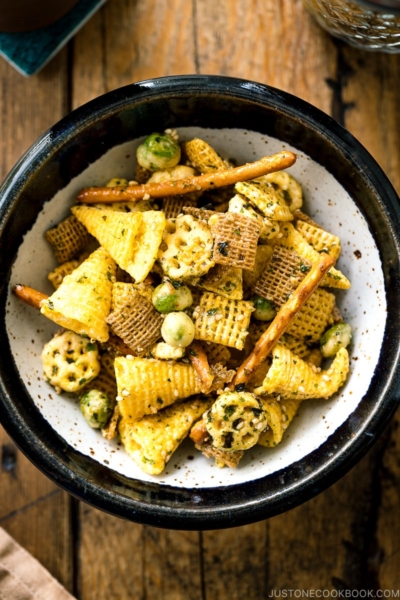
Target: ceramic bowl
[{"x": 345, "y": 191}]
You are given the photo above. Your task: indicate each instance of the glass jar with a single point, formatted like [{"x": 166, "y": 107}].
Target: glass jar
[{"x": 367, "y": 24}]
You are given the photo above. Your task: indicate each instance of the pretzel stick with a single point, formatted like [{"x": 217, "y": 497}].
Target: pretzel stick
[
  {"x": 199, "y": 360},
  {"x": 282, "y": 320},
  {"x": 267, "y": 164},
  {"x": 29, "y": 295}
]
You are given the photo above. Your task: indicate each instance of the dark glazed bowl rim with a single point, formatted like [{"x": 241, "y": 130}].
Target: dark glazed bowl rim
[{"x": 223, "y": 506}]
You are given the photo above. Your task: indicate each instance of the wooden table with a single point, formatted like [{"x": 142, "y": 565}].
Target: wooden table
[{"x": 349, "y": 536}]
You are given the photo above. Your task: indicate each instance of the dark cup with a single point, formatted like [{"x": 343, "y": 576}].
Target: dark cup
[{"x": 27, "y": 15}]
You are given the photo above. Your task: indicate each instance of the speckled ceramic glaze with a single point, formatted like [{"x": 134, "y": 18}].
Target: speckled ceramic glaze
[{"x": 345, "y": 192}]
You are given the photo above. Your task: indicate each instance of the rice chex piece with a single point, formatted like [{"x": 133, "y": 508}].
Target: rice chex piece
[
  {"x": 223, "y": 280},
  {"x": 294, "y": 241},
  {"x": 148, "y": 241},
  {"x": 319, "y": 239},
  {"x": 67, "y": 239},
  {"x": 137, "y": 323},
  {"x": 263, "y": 196},
  {"x": 173, "y": 205},
  {"x": 83, "y": 300},
  {"x": 313, "y": 318},
  {"x": 217, "y": 353},
  {"x": 291, "y": 377},
  {"x": 223, "y": 320},
  {"x": 279, "y": 417},
  {"x": 115, "y": 231},
  {"x": 203, "y": 156},
  {"x": 152, "y": 439},
  {"x": 235, "y": 240},
  {"x": 146, "y": 385},
  {"x": 281, "y": 276}
]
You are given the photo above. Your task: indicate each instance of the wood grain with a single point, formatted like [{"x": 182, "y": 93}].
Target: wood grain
[{"x": 32, "y": 509}]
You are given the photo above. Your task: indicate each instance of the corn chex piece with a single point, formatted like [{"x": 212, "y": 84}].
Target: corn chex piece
[
  {"x": 186, "y": 250},
  {"x": 290, "y": 377},
  {"x": 173, "y": 205},
  {"x": 296, "y": 345},
  {"x": 148, "y": 242},
  {"x": 263, "y": 196},
  {"x": 279, "y": 417},
  {"x": 319, "y": 239},
  {"x": 263, "y": 254},
  {"x": 223, "y": 320},
  {"x": 105, "y": 381},
  {"x": 67, "y": 239},
  {"x": 147, "y": 385},
  {"x": 288, "y": 186},
  {"x": 281, "y": 276},
  {"x": 57, "y": 275},
  {"x": 295, "y": 242},
  {"x": 70, "y": 361},
  {"x": 137, "y": 323},
  {"x": 235, "y": 239},
  {"x": 152, "y": 439},
  {"x": 126, "y": 293},
  {"x": 223, "y": 280},
  {"x": 313, "y": 318},
  {"x": 83, "y": 300},
  {"x": 217, "y": 353},
  {"x": 114, "y": 230},
  {"x": 203, "y": 156},
  {"x": 269, "y": 229}
]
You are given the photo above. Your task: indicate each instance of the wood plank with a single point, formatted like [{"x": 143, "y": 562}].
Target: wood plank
[
  {"x": 132, "y": 41},
  {"x": 272, "y": 42},
  {"x": 371, "y": 89},
  {"x": 32, "y": 509},
  {"x": 43, "y": 529},
  {"x": 236, "y": 562}
]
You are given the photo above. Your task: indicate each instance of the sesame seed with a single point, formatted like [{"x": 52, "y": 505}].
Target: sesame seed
[
  {"x": 125, "y": 393},
  {"x": 133, "y": 183},
  {"x": 283, "y": 407},
  {"x": 260, "y": 426},
  {"x": 301, "y": 389},
  {"x": 129, "y": 357},
  {"x": 326, "y": 378},
  {"x": 240, "y": 318},
  {"x": 285, "y": 426},
  {"x": 218, "y": 317},
  {"x": 195, "y": 314},
  {"x": 139, "y": 349},
  {"x": 146, "y": 197},
  {"x": 176, "y": 393},
  {"x": 153, "y": 409},
  {"x": 240, "y": 425},
  {"x": 119, "y": 398}
]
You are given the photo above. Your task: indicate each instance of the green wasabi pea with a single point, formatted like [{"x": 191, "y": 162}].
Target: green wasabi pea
[
  {"x": 334, "y": 338},
  {"x": 97, "y": 408},
  {"x": 178, "y": 329},
  {"x": 158, "y": 151},
  {"x": 169, "y": 297},
  {"x": 265, "y": 310}
]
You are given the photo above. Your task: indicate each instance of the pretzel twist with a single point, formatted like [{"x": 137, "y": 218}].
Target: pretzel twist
[
  {"x": 267, "y": 164},
  {"x": 282, "y": 320}
]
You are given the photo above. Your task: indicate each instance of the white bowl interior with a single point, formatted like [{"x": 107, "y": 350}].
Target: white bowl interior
[{"x": 363, "y": 306}]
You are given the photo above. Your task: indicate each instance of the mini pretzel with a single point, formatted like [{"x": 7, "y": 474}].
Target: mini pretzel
[
  {"x": 199, "y": 360},
  {"x": 282, "y": 320},
  {"x": 267, "y": 164},
  {"x": 29, "y": 295}
]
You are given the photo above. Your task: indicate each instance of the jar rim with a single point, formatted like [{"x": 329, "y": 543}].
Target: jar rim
[{"x": 390, "y": 6}]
